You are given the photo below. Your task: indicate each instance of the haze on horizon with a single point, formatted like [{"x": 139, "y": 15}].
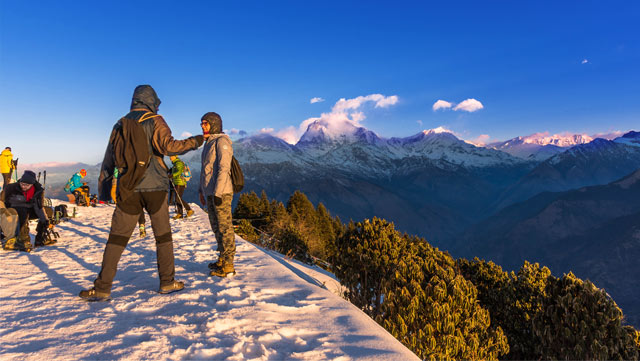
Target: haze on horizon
[{"x": 486, "y": 72}]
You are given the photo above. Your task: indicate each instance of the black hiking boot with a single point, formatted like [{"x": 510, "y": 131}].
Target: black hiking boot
[
  {"x": 92, "y": 295},
  {"x": 175, "y": 286}
]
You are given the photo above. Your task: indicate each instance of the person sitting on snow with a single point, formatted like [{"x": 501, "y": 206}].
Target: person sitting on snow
[
  {"x": 79, "y": 188},
  {"x": 25, "y": 199}
]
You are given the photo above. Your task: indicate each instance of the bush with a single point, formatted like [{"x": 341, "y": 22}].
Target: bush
[
  {"x": 545, "y": 317},
  {"x": 292, "y": 244},
  {"x": 415, "y": 292},
  {"x": 580, "y": 321},
  {"x": 246, "y": 231}
]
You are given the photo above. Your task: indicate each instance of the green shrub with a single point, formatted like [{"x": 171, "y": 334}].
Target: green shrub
[
  {"x": 246, "y": 231},
  {"x": 580, "y": 321},
  {"x": 415, "y": 292}
]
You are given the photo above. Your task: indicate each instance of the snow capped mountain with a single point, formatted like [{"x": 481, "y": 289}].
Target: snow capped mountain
[
  {"x": 560, "y": 140},
  {"x": 631, "y": 138},
  {"x": 598, "y": 162},
  {"x": 356, "y": 149},
  {"x": 540, "y": 146}
]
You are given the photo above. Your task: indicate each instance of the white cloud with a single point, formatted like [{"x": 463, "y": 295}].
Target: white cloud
[
  {"x": 441, "y": 104},
  {"x": 609, "y": 135},
  {"x": 355, "y": 103},
  {"x": 344, "y": 115},
  {"x": 186, "y": 134},
  {"x": 289, "y": 134},
  {"x": 316, "y": 100},
  {"x": 235, "y": 131},
  {"x": 266, "y": 130},
  {"x": 469, "y": 105},
  {"x": 584, "y": 61},
  {"x": 479, "y": 141}
]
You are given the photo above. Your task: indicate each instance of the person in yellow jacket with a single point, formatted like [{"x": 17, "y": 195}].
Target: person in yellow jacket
[{"x": 7, "y": 165}]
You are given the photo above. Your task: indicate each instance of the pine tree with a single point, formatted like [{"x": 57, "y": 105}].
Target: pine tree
[{"x": 248, "y": 206}]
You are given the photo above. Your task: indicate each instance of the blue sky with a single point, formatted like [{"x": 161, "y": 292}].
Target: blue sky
[{"x": 68, "y": 68}]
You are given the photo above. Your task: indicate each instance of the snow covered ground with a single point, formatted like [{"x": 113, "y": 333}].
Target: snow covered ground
[{"x": 273, "y": 309}]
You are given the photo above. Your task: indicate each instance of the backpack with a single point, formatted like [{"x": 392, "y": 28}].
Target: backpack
[
  {"x": 186, "y": 172},
  {"x": 67, "y": 188},
  {"x": 237, "y": 178},
  {"x": 61, "y": 210},
  {"x": 131, "y": 151}
]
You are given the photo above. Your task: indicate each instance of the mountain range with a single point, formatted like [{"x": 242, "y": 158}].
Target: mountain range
[{"x": 592, "y": 231}]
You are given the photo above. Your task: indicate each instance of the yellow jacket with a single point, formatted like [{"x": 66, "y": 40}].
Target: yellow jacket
[{"x": 6, "y": 161}]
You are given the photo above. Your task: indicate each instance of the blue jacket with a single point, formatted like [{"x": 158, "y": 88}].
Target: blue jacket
[{"x": 75, "y": 182}]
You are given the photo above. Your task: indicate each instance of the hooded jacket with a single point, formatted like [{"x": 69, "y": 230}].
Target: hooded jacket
[
  {"x": 75, "y": 182},
  {"x": 6, "y": 161},
  {"x": 215, "y": 174},
  {"x": 176, "y": 172},
  {"x": 160, "y": 141}
]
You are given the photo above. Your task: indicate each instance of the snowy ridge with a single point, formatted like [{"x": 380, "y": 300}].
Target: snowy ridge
[
  {"x": 361, "y": 151},
  {"x": 273, "y": 309}
]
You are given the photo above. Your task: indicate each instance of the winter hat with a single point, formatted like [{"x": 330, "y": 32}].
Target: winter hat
[
  {"x": 83, "y": 172},
  {"x": 28, "y": 177},
  {"x": 215, "y": 121},
  {"x": 9, "y": 148}
]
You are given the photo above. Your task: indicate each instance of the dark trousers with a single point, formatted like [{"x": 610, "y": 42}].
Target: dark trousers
[
  {"x": 24, "y": 215},
  {"x": 7, "y": 179},
  {"x": 180, "y": 201},
  {"x": 124, "y": 220}
]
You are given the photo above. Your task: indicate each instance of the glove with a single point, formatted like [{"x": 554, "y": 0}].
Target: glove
[{"x": 217, "y": 201}]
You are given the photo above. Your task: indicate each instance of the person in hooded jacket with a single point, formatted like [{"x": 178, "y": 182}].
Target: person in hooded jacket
[
  {"x": 142, "y": 185},
  {"x": 79, "y": 188},
  {"x": 216, "y": 191},
  {"x": 26, "y": 197},
  {"x": 7, "y": 165}
]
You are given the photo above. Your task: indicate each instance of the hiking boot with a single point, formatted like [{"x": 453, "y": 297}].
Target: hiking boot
[
  {"x": 224, "y": 270},
  {"x": 143, "y": 232},
  {"x": 10, "y": 244},
  {"x": 92, "y": 295},
  {"x": 216, "y": 264},
  {"x": 175, "y": 286},
  {"x": 189, "y": 213},
  {"x": 177, "y": 216},
  {"x": 48, "y": 241}
]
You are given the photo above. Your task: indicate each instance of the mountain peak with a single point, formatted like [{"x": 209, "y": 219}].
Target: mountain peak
[{"x": 324, "y": 131}]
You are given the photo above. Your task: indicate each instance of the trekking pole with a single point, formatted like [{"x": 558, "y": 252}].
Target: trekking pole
[
  {"x": 15, "y": 163},
  {"x": 44, "y": 180},
  {"x": 177, "y": 195},
  {"x": 38, "y": 177}
]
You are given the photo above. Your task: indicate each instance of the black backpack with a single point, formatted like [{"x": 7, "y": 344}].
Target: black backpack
[
  {"x": 61, "y": 210},
  {"x": 131, "y": 151},
  {"x": 237, "y": 178}
]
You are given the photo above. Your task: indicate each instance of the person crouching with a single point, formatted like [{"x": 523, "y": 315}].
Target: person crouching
[{"x": 26, "y": 197}]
